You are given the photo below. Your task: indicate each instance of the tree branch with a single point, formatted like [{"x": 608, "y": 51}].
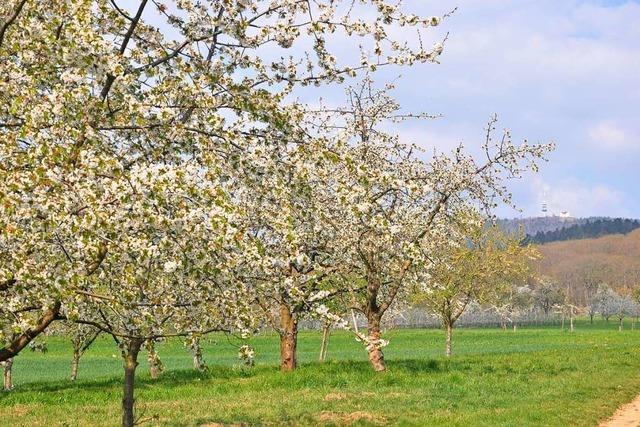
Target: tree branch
[{"x": 11, "y": 20}]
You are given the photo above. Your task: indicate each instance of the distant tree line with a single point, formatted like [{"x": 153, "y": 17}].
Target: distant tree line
[{"x": 590, "y": 229}]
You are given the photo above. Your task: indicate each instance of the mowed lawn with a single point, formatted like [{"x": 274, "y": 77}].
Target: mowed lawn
[{"x": 535, "y": 376}]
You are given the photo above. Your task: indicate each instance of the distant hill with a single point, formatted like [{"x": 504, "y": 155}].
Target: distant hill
[
  {"x": 535, "y": 225},
  {"x": 590, "y": 229},
  {"x": 579, "y": 264},
  {"x": 553, "y": 229}
]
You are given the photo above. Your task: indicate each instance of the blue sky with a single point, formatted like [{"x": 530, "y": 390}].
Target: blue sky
[{"x": 563, "y": 71}]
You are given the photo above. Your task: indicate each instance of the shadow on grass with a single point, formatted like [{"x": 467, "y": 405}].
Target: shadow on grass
[{"x": 330, "y": 374}]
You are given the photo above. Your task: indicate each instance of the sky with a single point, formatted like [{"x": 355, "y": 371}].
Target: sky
[
  {"x": 562, "y": 71},
  {"x": 565, "y": 71}
]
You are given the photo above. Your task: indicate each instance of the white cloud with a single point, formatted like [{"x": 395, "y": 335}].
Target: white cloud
[{"x": 609, "y": 136}]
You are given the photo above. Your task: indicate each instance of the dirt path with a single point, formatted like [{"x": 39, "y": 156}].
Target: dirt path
[{"x": 627, "y": 415}]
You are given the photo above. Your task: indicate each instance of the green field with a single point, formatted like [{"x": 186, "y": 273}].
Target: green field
[{"x": 535, "y": 376}]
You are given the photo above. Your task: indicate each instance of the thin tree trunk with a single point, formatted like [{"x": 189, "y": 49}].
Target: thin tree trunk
[
  {"x": 449, "y": 332},
  {"x": 515, "y": 326},
  {"x": 74, "y": 365},
  {"x": 7, "y": 383},
  {"x": 571, "y": 321},
  {"x": 620, "y": 326},
  {"x": 562, "y": 324},
  {"x": 376, "y": 356},
  {"x": 326, "y": 332},
  {"x": 288, "y": 339},
  {"x": 591, "y": 318},
  {"x": 355, "y": 322},
  {"x": 130, "y": 364}
]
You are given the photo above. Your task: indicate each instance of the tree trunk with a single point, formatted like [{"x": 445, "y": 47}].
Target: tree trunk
[
  {"x": 376, "y": 356},
  {"x": 74, "y": 365},
  {"x": 449, "y": 332},
  {"x": 326, "y": 332},
  {"x": 152, "y": 359},
  {"x": 288, "y": 339},
  {"x": 198, "y": 360},
  {"x": 620, "y": 326},
  {"x": 591, "y": 318},
  {"x": 515, "y": 327},
  {"x": 7, "y": 383},
  {"x": 571, "y": 321},
  {"x": 130, "y": 364}
]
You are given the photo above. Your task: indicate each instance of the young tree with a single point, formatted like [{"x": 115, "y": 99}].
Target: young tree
[
  {"x": 484, "y": 263},
  {"x": 607, "y": 300},
  {"x": 622, "y": 306},
  {"x": 82, "y": 336},
  {"x": 548, "y": 294}
]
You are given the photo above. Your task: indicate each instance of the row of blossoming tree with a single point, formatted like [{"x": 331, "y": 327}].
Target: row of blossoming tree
[{"x": 156, "y": 180}]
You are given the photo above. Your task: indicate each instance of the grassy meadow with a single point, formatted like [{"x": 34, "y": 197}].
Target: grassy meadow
[{"x": 532, "y": 377}]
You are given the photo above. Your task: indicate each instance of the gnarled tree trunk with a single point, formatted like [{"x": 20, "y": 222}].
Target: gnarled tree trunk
[
  {"x": 130, "y": 364},
  {"x": 198, "y": 360},
  {"x": 288, "y": 339},
  {"x": 74, "y": 365},
  {"x": 7, "y": 381},
  {"x": 376, "y": 356},
  {"x": 153, "y": 360}
]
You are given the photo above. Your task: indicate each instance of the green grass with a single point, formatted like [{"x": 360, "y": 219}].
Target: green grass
[{"x": 535, "y": 376}]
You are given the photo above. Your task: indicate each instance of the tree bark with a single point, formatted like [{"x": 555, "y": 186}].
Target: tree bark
[
  {"x": 152, "y": 359},
  {"x": 130, "y": 364},
  {"x": 74, "y": 365},
  {"x": 288, "y": 339},
  {"x": 449, "y": 332},
  {"x": 376, "y": 356},
  {"x": 25, "y": 338},
  {"x": 198, "y": 360},
  {"x": 326, "y": 332},
  {"x": 7, "y": 383}
]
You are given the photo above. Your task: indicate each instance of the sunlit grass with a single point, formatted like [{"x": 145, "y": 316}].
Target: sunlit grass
[{"x": 535, "y": 376}]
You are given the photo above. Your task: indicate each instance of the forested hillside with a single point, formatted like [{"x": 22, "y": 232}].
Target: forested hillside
[
  {"x": 580, "y": 265},
  {"x": 591, "y": 229},
  {"x": 554, "y": 228},
  {"x": 532, "y": 226}
]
